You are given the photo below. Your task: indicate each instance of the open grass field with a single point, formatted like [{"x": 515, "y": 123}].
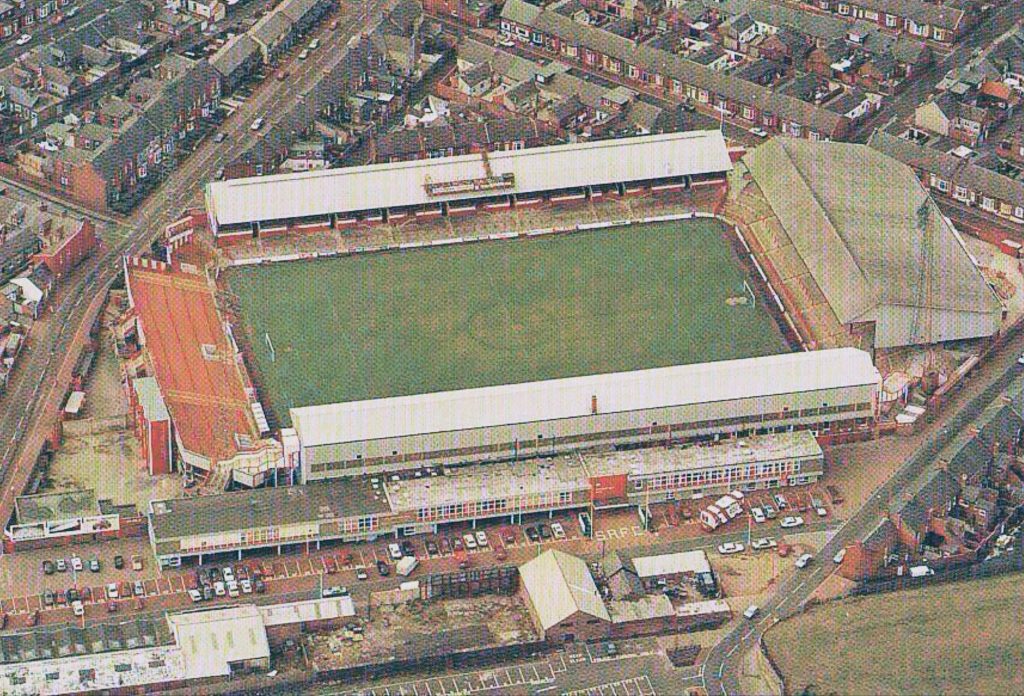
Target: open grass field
[
  {"x": 499, "y": 312},
  {"x": 961, "y": 638}
]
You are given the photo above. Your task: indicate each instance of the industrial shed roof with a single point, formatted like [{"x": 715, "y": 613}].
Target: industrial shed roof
[
  {"x": 854, "y": 216},
  {"x": 559, "y": 585},
  {"x": 672, "y": 564},
  {"x": 399, "y": 184},
  {"x": 214, "y": 640},
  {"x": 572, "y": 397}
]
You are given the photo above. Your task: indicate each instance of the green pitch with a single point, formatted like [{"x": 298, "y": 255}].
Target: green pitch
[{"x": 499, "y": 312}]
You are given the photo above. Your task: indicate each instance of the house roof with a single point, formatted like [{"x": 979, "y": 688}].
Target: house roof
[
  {"x": 936, "y": 495},
  {"x": 271, "y": 28},
  {"x": 854, "y": 216},
  {"x": 560, "y": 585},
  {"x": 950, "y": 168},
  {"x": 234, "y": 54},
  {"x": 679, "y": 68}
]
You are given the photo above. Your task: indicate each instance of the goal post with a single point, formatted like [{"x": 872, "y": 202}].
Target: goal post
[
  {"x": 270, "y": 346},
  {"x": 750, "y": 291}
]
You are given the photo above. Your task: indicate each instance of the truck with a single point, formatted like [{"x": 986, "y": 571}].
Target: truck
[{"x": 405, "y": 566}]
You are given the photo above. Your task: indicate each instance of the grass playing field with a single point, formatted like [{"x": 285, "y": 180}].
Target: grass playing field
[
  {"x": 499, "y": 312},
  {"x": 945, "y": 639}
]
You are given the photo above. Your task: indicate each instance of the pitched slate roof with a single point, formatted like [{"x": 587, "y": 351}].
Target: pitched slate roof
[
  {"x": 937, "y": 493},
  {"x": 234, "y": 54}
]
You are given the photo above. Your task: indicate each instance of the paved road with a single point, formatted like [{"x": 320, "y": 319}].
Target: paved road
[
  {"x": 44, "y": 32},
  {"x": 29, "y": 407},
  {"x": 721, "y": 672}
]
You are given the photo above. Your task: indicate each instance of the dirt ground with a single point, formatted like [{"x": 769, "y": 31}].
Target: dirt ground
[
  {"x": 100, "y": 450},
  {"x": 857, "y": 469},
  {"x": 947, "y": 639},
  {"x": 1004, "y": 271}
]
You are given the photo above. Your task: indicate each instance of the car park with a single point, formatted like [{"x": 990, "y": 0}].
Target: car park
[
  {"x": 764, "y": 543},
  {"x": 119, "y": 562},
  {"x": 394, "y": 551},
  {"x": 840, "y": 555},
  {"x": 758, "y": 514},
  {"x": 804, "y": 560},
  {"x": 77, "y": 608},
  {"x": 112, "y": 590},
  {"x": 730, "y": 547},
  {"x": 383, "y": 568},
  {"x": 470, "y": 541},
  {"x": 481, "y": 540},
  {"x": 790, "y": 522},
  {"x": 532, "y": 534},
  {"x": 557, "y": 530},
  {"x": 751, "y": 611},
  {"x": 48, "y": 567}
]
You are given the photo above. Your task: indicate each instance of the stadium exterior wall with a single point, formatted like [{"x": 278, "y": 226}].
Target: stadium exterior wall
[{"x": 825, "y": 410}]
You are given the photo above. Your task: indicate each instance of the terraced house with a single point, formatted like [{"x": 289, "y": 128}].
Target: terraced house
[
  {"x": 18, "y": 16},
  {"x": 661, "y": 72},
  {"x": 927, "y": 20}
]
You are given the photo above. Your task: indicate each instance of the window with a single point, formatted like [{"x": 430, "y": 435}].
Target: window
[
  {"x": 988, "y": 204},
  {"x": 748, "y": 113},
  {"x": 890, "y": 21}
]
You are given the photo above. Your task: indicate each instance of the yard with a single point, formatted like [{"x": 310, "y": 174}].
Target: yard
[
  {"x": 958, "y": 638},
  {"x": 497, "y": 312}
]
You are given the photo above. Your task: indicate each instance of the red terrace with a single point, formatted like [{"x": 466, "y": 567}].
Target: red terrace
[
  {"x": 65, "y": 245},
  {"x": 337, "y": 198},
  {"x": 173, "y": 333}
]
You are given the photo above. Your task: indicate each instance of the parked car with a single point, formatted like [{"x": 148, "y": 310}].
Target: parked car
[
  {"x": 77, "y": 608},
  {"x": 432, "y": 549},
  {"x": 48, "y": 567},
  {"x": 246, "y": 585},
  {"x": 780, "y": 501},
  {"x": 335, "y": 591},
  {"x": 71, "y": 594},
  {"x": 330, "y": 566},
  {"x": 219, "y": 589},
  {"x": 764, "y": 543},
  {"x": 821, "y": 512},
  {"x": 457, "y": 544},
  {"x": 304, "y": 54},
  {"x": 76, "y": 564},
  {"x": 790, "y": 522},
  {"x": 259, "y": 586},
  {"x": 769, "y": 511},
  {"x": 469, "y": 541},
  {"x": 394, "y": 551},
  {"x": 730, "y": 547},
  {"x": 229, "y": 574},
  {"x": 112, "y": 590},
  {"x": 445, "y": 545},
  {"x": 233, "y": 590},
  {"x": 23, "y": 39},
  {"x": 532, "y": 534},
  {"x": 508, "y": 536},
  {"x": 758, "y": 514},
  {"x": 219, "y": 138},
  {"x": 840, "y": 555},
  {"x": 804, "y": 560},
  {"x": 119, "y": 562},
  {"x": 314, "y": 44},
  {"x": 111, "y": 607},
  {"x": 139, "y": 588},
  {"x": 361, "y": 574},
  {"x": 407, "y": 548},
  {"x": 62, "y": 565},
  {"x": 545, "y": 531},
  {"x": 383, "y": 568},
  {"x": 481, "y": 540},
  {"x": 48, "y": 598},
  {"x": 94, "y": 565},
  {"x": 195, "y": 595},
  {"x": 136, "y": 562},
  {"x": 558, "y": 530},
  {"x": 759, "y": 132},
  {"x": 257, "y": 124},
  {"x": 751, "y": 611}
]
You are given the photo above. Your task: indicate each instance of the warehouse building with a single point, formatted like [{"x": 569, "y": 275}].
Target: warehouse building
[
  {"x": 861, "y": 225},
  {"x": 822, "y": 391},
  {"x": 337, "y": 198}
]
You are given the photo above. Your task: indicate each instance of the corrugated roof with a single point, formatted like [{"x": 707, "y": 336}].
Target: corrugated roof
[
  {"x": 559, "y": 585},
  {"x": 211, "y": 641},
  {"x": 571, "y": 397},
  {"x": 852, "y": 214},
  {"x": 672, "y": 564},
  {"x": 148, "y": 393},
  {"x": 398, "y": 184}
]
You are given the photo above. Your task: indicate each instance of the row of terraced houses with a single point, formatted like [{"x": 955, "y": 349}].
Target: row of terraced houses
[
  {"x": 666, "y": 74},
  {"x": 18, "y": 17}
]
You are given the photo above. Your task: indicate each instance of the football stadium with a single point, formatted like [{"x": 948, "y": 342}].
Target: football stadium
[{"x": 471, "y": 315}]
